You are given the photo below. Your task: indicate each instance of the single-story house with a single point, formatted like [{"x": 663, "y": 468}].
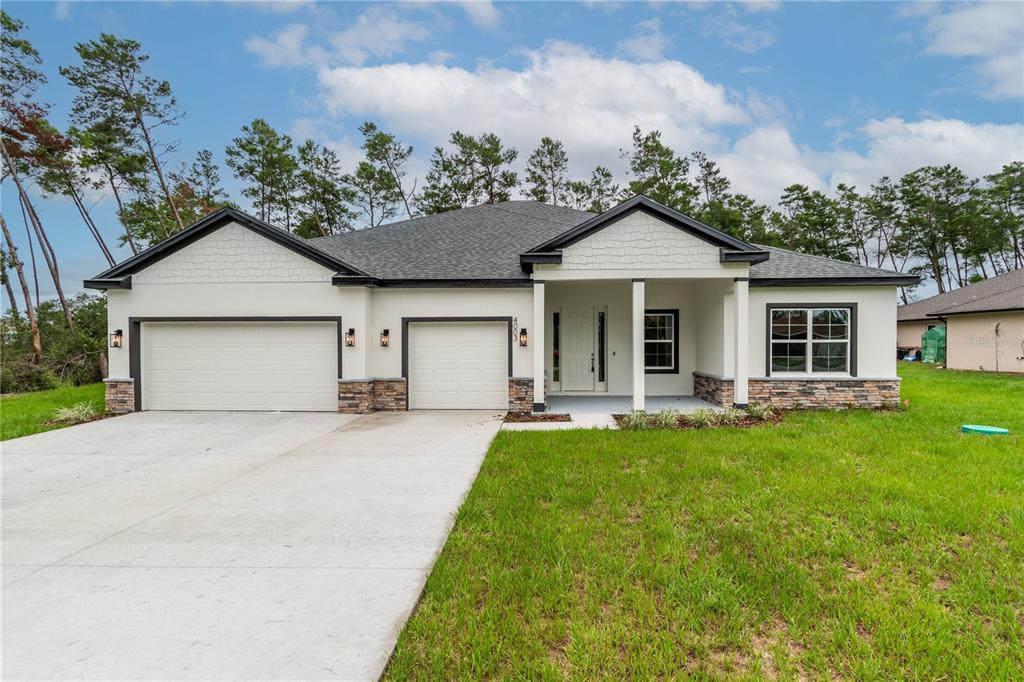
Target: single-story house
[
  {"x": 492, "y": 307},
  {"x": 984, "y": 323}
]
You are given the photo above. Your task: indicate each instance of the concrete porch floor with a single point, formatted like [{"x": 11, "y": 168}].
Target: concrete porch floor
[{"x": 618, "y": 404}]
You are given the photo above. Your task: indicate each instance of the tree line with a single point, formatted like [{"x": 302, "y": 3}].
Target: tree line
[{"x": 935, "y": 221}]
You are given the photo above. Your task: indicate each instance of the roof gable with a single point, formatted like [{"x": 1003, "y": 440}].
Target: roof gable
[{"x": 119, "y": 276}]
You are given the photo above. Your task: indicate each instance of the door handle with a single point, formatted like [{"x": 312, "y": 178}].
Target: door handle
[{"x": 591, "y": 362}]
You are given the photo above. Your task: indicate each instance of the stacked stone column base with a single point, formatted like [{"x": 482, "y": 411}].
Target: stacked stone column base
[
  {"x": 802, "y": 393},
  {"x": 119, "y": 395}
]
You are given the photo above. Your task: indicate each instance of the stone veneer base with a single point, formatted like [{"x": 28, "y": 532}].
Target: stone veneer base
[
  {"x": 520, "y": 395},
  {"x": 119, "y": 395},
  {"x": 802, "y": 393},
  {"x": 361, "y": 396}
]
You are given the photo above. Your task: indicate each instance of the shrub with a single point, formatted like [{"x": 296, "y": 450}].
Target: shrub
[
  {"x": 729, "y": 417},
  {"x": 760, "y": 411},
  {"x": 664, "y": 419},
  {"x": 702, "y": 418},
  {"x": 634, "y": 420},
  {"x": 17, "y": 374},
  {"x": 75, "y": 414}
]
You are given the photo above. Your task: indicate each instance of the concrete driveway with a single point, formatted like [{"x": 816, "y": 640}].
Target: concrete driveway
[{"x": 226, "y": 545}]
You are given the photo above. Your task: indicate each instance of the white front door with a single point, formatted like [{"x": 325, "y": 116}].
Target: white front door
[{"x": 577, "y": 352}]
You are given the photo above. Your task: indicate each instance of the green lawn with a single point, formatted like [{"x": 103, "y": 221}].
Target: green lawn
[
  {"x": 27, "y": 413},
  {"x": 860, "y": 545}
]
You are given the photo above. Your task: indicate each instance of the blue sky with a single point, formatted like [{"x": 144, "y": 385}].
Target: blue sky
[{"x": 818, "y": 93}]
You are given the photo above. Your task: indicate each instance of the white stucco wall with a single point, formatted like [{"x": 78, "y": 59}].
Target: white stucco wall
[{"x": 876, "y": 320}]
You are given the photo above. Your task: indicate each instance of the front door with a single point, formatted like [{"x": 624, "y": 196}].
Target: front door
[{"x": 577, "y": 349}]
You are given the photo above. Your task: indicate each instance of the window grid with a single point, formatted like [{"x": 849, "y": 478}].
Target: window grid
[
  {"x": 660, "y": 341},
  {"x": 810, "y": 340}
]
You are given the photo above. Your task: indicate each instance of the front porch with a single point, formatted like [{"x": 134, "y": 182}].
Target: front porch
[{"x": 611, "y": 345}]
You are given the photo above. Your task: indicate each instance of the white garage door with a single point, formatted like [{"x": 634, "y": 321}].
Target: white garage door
[
  {"x": 240, "y": 366},
  {"x": 458, "y": 365}
]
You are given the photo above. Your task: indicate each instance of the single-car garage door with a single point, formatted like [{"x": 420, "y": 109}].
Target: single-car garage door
[
  {"x": 240, "y": 366},
  {"x": 458, "y": 365}
]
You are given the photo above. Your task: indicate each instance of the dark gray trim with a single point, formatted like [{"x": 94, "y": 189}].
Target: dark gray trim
[
  {"x": 674, "y": 312},
  {"x": 648, "y": 205},
  {"x": 109, "y": 283},
  {"x": 751, "y": 256},
  {"x": 741, "y": 279},
  {"x": 539, "y": 407},
  {"x": 213, "y": 222},
  {"x": 819, "y": 304},
  {"x": 406, "y": 321},
  {"x": 740, "y": 406},
  {"x": 893, "y": 281},
  {"x": 946, "y": 313},
  {"x": 345, "y": 280},
  {"x": 638, "y": 279},
  {"x": 135, "y": 339},
  {"x": 552, "y": 257}
]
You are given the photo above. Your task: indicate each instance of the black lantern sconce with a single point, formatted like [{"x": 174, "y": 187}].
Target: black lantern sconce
[
  {"x": 350, "y": 337},
  {"x": 385, "y": 338},
  {"x": 117, "y": 338},
  {"x": 523, "y": 337}
]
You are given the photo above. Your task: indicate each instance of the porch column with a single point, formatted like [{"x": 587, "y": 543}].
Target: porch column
[
  {"x": 538, "y": 346},
  {"x": 741, "y": 294},
  {"x": 639, "y": 383}
]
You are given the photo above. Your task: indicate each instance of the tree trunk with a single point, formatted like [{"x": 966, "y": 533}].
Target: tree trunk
[
  {"x": 31, "y": 247},
  {"x": 37, "y": 343},
  {"x": 120, "y": 211},
  {"x": 84, "y": 212},
  {"x": 10, "y": 295},
  {"x": 49, "y": 255},
  {"x": 157, "y": 168}
]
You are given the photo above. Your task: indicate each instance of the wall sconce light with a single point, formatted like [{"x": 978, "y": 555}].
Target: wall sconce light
[
  {"x": 385, "y": 338},
  {"x": 117, "y": 338},
  {"x": 523, "y": 337},
  {"x": 350, "y": 337}
]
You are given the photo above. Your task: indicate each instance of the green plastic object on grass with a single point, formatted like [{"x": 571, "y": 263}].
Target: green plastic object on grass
[
  {"x": 986, "y": 430},
  {"x": 933, "y": 345}
]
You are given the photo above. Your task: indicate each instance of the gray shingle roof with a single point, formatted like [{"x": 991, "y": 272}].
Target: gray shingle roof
[
  {"x": 785, "y": 264},
  {"x": 1005, "y": 292},
  {"x": 481, "y": 242},
  {"x": 484, "y": 242}
]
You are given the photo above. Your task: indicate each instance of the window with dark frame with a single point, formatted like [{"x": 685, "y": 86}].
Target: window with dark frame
[
  {"x": 810, "y": 340},
  {"x": 661, "y": 352},
  {"x": 556, "y": 374}
]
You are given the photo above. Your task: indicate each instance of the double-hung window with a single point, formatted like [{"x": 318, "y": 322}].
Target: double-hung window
[
  {"x": 811, "y": 340},
  {"x": 661, "y": 349}
]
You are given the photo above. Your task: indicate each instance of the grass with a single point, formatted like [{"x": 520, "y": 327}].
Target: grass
[
  {"x": 23, "y": 414},
  {"x": 857, "y": 545}
]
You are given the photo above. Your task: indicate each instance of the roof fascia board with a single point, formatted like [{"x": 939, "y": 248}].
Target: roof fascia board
[
  {"x": 832, "y": 281},
  {"x": 736, "y": 256},
  {"x": 215, "y": 221},
  {"x": 642, "y": 203},
  {"x": 109, "y": 283}
]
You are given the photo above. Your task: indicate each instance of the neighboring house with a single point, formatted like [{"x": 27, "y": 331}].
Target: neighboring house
[
  {"x": 496, "y": 307},
  {"x": 984, "y": 323}
]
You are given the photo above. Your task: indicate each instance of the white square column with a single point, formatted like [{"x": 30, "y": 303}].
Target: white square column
[
  {"x": 741, "y": 290},
  {"x": 639, "y": 376},
  {"x": 538, "y": 346}
]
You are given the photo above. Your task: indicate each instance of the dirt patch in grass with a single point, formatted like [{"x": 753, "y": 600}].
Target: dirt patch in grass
[{"x": 520, "y": 417}]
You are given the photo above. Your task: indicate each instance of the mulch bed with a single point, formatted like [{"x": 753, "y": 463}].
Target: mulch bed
[
  {"x": 521, "y": 417},
  {"x": 744, "y": 423}
]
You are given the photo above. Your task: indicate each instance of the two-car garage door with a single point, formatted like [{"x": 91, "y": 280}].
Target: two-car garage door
[{"x": 240, "y": 366}]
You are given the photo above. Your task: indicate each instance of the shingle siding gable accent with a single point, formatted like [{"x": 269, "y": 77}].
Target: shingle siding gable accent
[
  {"x": 232, "y": 254},
  {"x": 638, "y": 241}
]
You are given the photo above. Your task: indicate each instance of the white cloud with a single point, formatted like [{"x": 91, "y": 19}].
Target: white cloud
[
  {"x": 737, "y": 34},
  {"x": 762, "y": 5},
  {"x": 647, "y": 42},
  {"x": 993, "y": 34},
  {"x": 482, "y": 13},
  {"x": 62, "y": 10},
  {"x": 764, "y": 161},
  {"x": 286, "y": 48},
  {"x": 561, "y": 90},
  {"x": 377, "y": 32}
]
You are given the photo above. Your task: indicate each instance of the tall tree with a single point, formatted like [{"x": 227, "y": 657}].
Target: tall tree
[
  {"x": 373, "y": 192},
  {"x": 107, "y": 153},
  {"x": 204, "y": 177},
  {"x": 7, "y": 264},
  {"x": 659, "y": 173},
  {"x": 809, "y": 223},
  {"x": 597, "y": 195},
  {"x": 322, "y": 197},
  {"x": 262, "y": 157},
  {"x": 111, "y": 79},
  {"x": 451, "y": 180},
  {"x": 546, "y": 172},
  {"x": 386, "y": 153},
  {"x": 12, "y": 251},
  {"x": 1004, "y": 199},
  {"x": 495, "y": 178},
  {"x": 712, "y": 193}
]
